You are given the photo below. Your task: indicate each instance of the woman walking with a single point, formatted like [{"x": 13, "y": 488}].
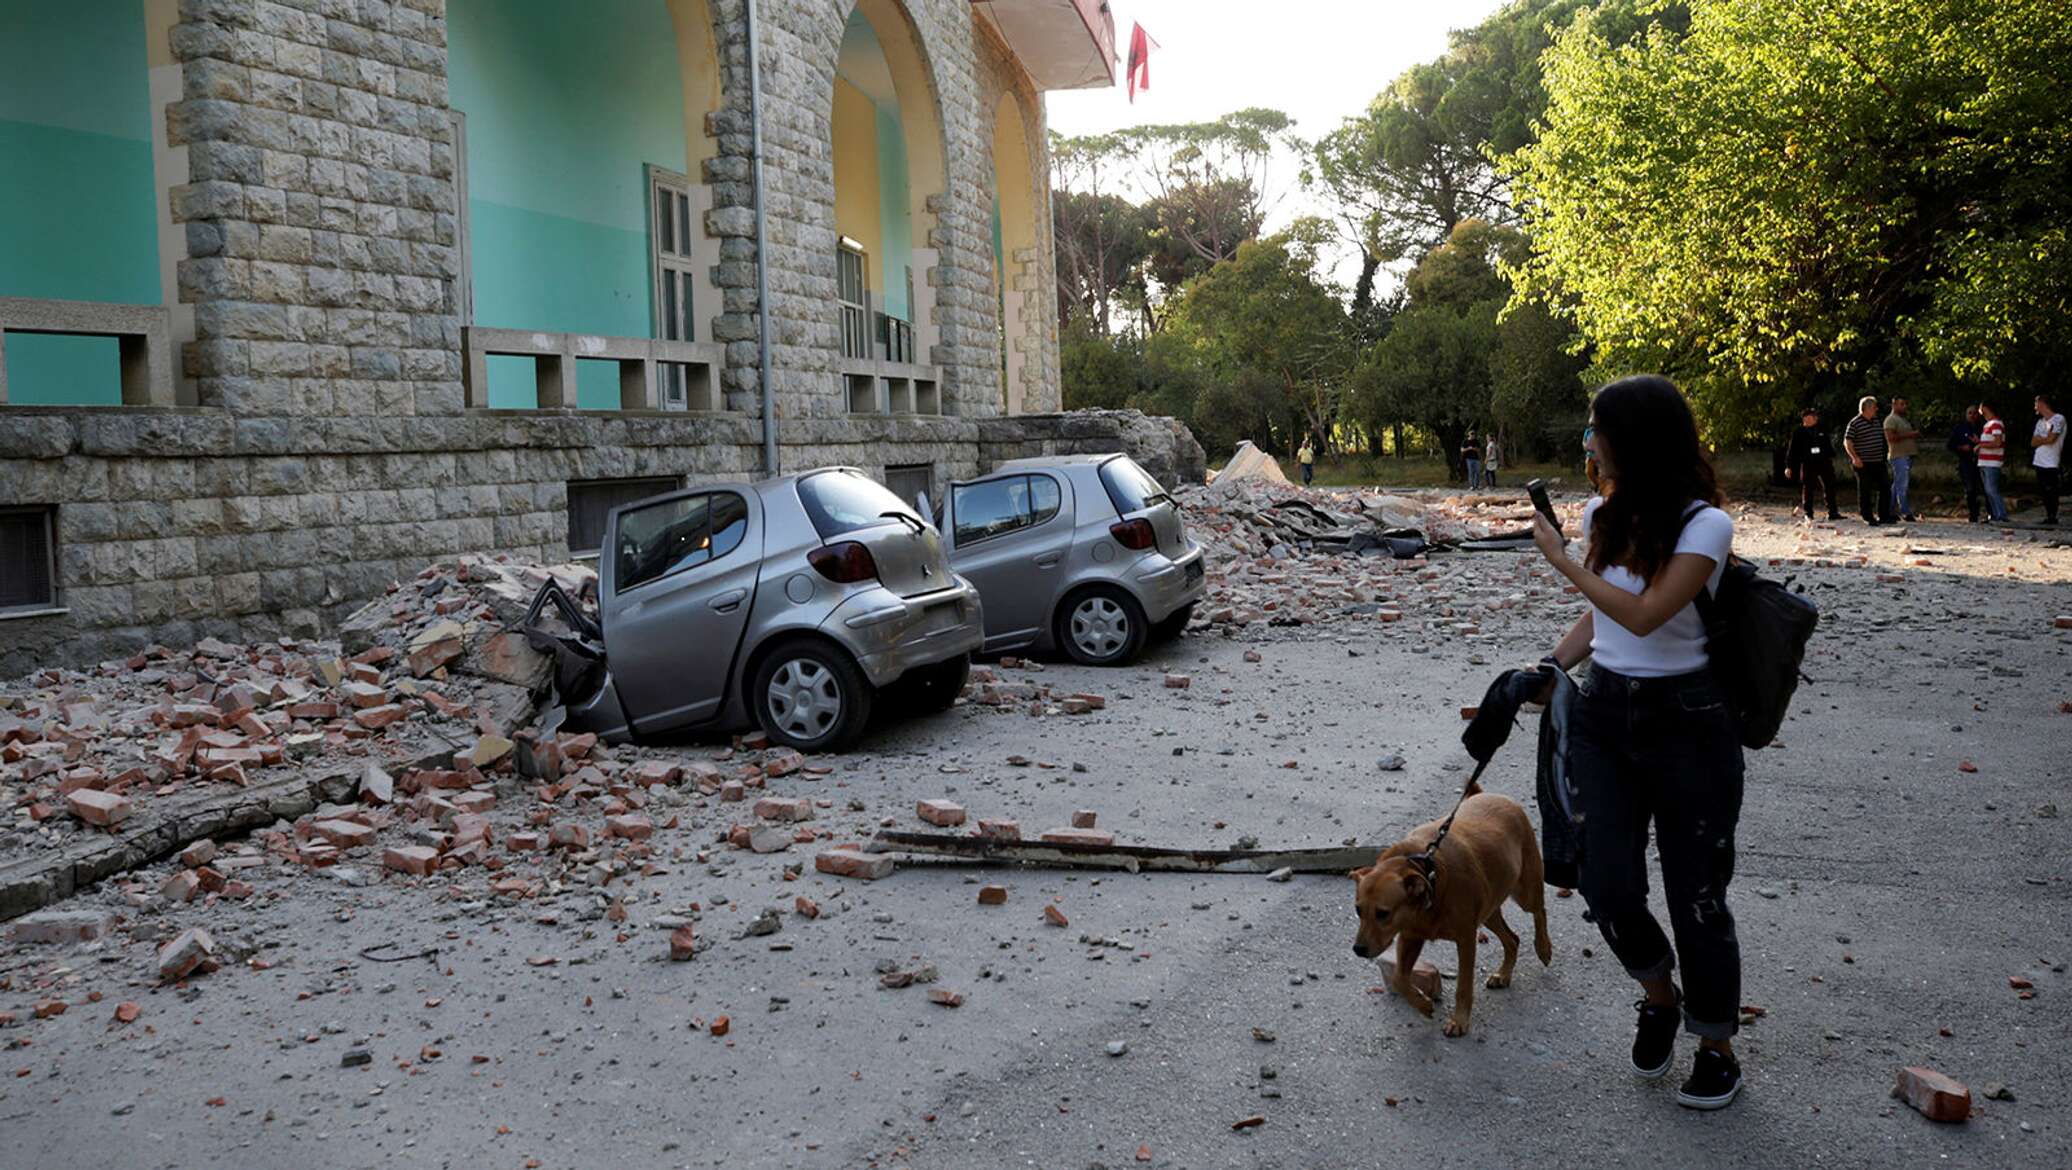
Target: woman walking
[{"x": 1652, "y": 738}]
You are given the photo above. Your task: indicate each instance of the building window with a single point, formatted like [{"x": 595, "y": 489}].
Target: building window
[
  {"x": 852, "y": 289},
  {"x": 28, "y": 559},
  {"x": 909, "y": 481},
  {"x": 590, "y": 501},
  {"x": 669, "y": 253}
]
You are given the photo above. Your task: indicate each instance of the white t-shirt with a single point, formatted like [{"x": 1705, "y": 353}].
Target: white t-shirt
[
  {"x": 1678, "y": 645},
  {"x": 2051, "y": 454}
]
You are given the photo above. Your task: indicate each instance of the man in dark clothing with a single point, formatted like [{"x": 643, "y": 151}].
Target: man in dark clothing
[
  {"x": 1864, "y": 440},
  {"x": 1811, "y": 458},
  {"x": 1963, "y": 443}
]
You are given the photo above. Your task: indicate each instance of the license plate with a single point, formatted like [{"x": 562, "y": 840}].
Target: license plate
[{"x": 1194, "y": 571}]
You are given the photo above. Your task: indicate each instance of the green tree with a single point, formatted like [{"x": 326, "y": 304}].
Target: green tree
[
  {"x": 1103, "y": 239},
  {"x": 1793, "y": 197},
  {"x": 1263, "y": 322},
  {"x": 1098, "y": 371}
]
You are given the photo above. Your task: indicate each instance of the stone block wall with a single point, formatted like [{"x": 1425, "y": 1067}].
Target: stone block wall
[{"x": 331, "y": 451}]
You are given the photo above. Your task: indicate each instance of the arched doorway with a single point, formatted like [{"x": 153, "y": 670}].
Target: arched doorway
[{"x": 888, "y": 159}]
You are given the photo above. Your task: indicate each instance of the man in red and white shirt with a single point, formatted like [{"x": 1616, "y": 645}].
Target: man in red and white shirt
[{"x": 1992, "y": 458}]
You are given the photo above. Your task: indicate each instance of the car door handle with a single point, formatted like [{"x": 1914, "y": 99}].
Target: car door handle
[
  {"x": 1049, "y": 560},
  {"x": 729, "y": 601}
]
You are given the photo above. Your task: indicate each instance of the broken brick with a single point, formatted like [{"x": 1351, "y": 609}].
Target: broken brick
[
  {"x": 941, "y": 813},
  {"x": 193, "y": 950},
  {"x": 1055, "y": 916},
  {"x": 1933, "y": 1095},
  {"x": 567, "y": 835},
  {"x": 1178, "y": 682},
  {"x": 1000, "y": 830},
  {"x": 683, "y": 945},
  {"x": 181, "y": 887},
  {"x": 1083, "y": 818},
  {"x": 344, "y": 834},
  {"x": 417, "y": 860},
  {"x": 198, "y": 854},
  {"x": 629, "y": 827},
  {"x": 1099, "y": 837},
  {"x": 376, "y": 718},
  {"x": 1423, "y": 976},
  {"x": 944, "y": 997},
  {"x": 992, "y": 895},
  {"x": 98, "y": 808},
  {"x": 851, "y": 862},
  {"x": 777, "y": 808}
]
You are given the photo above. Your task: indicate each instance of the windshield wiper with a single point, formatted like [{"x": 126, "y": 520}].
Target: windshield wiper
[{"x": 904, "y": 518}]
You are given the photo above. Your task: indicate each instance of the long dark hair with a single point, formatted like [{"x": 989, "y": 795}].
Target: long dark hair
[{"x": 1658, "y": 468}]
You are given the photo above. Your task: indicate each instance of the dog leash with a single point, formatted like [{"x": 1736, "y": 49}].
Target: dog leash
[{"x": 1427, "y": 862}]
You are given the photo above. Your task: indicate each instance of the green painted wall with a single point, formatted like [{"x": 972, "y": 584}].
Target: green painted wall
[
  {"x": 895, "y": 215},
  {"x": 77, "y": 217},
  {"x": 565, "y": 103}
]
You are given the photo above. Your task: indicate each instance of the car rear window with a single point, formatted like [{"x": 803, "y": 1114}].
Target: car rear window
[
  {"x": 844, "y": 501},
  {"x": 1130, "y": 487}
]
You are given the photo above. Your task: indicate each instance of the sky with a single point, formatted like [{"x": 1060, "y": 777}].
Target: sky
[{"x": 1320, "y": 61}]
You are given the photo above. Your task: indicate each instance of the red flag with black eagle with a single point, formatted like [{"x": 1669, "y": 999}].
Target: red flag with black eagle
[{"x": 1139, "y": 72}]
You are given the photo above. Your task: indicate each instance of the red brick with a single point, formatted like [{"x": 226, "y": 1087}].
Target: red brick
[
  {"x": 98, "y": 808},
  {"x": 630, "y": 826},
  {"x": 1083, "y": 819},
  {"x": 192, "y": 951},
  {"x": 198, "y": 854},
  {"x": 944, "y": 997},
  {"x": 1423, "y": 975},
  {"x": 806, "y": 907},
  {"x": 523, "y": 842},
  {"x": 46, "y": 1008},
  {"x": 363, "y": 695},
  {"x": 468, "y": 827},
  {"x": 1935, "y": 1096},
  {"x": 1055, "y": 916},
  {"x": 733, "y": 790},
  {"x": 375, "y": 718},
  {"x": 474, "y": 801},
  {"x": 721, "y": 1025},
  {"x": 992, "y": 895},
  {"x": 344, "y": 834},
  {"x": 782, "y": 762},
  {"x": 1178, "y": 682},
  {"x": 411, "y": 859},
  {"x": 181, "y": 887},
  {"x": 568, "y": 835},
  {"x": 655, "y": 772},
  {"x": 849, "y": 861},
  {"x": 777, "y": 808},
  {"x": 1000, "y": 830},
  {"x": 1079, "y": 837},
  {"x": 683, "y": 944},
  {"x": 941, "y": 813}
]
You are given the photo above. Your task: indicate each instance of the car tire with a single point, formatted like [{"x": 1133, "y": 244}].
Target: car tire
[
  {"x": 935, "y": 687},
  {"x": 1100, "y": 626},
  {"x": 1174, "y": 625},
  {"x": 808, "y": 695}
]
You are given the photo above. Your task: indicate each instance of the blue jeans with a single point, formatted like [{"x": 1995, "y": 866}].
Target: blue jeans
[
  {"x": 1902, "y": 475},
  {"x": 1996, "y": 506},
  {"x": 1474, "y": 467}
]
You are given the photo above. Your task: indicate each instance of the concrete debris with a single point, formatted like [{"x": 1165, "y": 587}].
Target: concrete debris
[
  {"x": 1248, "y": 465},
  {"x": 192, "y": 952}
]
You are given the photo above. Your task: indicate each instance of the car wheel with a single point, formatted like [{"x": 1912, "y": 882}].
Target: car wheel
[
  {"x": 1174, "y": 625},
  {"x": 810, "y": 696},
  {"x": 936, "y": 687},
  {"x": 1102, "y": 626}
]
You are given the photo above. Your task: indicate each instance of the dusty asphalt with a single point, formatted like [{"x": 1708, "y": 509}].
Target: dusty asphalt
[{"x": 1881, "y": 894}]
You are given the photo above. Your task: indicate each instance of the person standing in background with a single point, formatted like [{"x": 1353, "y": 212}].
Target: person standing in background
[
  {"x": 1992, "y": 457},
  {"x": 1809, "y": 459},
  {"x": 1902, "y": 443},
  {"x": 1963, "y": 443},
  {"x": 1864, "y": 440},
  {"x": 1489, "y": 462},
  {"x": 1307, "y": 457},
  {"x": 1471, "y": 460},
  {"x": 2049, "y": 444}
]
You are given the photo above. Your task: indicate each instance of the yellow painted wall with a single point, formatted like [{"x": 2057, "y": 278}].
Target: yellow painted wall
[{"x": 856, "y": 179}]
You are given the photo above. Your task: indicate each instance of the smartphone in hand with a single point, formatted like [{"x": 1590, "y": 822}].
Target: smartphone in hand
[{"x": 1537, "y": 489}]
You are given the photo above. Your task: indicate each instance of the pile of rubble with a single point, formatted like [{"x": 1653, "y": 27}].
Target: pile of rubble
[{"x": 96, "y": 748}]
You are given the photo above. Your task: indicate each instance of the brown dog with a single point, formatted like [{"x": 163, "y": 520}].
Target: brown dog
[{"x": 1489, "y": 855}]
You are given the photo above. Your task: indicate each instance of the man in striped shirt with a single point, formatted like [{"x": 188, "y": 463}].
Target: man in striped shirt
[
  {"x": 1992, "y": 459},
  {"x": 1864, "y": 440}
]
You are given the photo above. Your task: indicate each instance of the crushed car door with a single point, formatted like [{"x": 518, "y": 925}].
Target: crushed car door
[{"x": 676, "y": 582}]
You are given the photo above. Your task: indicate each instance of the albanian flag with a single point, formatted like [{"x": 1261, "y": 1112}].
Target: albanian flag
[{"x": 1139, "y": 71}]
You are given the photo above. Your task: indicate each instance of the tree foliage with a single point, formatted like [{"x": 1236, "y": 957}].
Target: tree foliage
[{"x": 1791, "y": 197}]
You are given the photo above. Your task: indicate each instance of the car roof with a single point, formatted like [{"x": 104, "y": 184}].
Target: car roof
[{"x": 1040, "y": 462}]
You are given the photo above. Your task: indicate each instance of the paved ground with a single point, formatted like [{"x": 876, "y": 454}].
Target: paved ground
[{"x": 1882, "y": 895}]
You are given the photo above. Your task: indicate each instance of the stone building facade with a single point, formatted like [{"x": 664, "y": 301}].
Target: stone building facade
[{"x": 397, "y": 329}]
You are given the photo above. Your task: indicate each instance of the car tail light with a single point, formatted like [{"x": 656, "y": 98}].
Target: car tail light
[
  {"x": 1133, "y": 534},
  {"x": 845, "y": 563}
]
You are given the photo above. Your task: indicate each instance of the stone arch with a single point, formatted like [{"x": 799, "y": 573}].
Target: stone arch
[
  {"x": 1017, "y": 255},
  {"x": 901, "y": 87}
]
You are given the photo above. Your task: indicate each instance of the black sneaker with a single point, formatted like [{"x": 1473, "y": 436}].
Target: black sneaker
[
  {"x": 1654, "y": 1037},
  {"x": 1715, "y": 1079}
]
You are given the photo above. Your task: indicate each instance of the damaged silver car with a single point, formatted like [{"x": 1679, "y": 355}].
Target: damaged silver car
[
  {"x": 793, "y": 603},
  {"x": 1081, "y": 553}
]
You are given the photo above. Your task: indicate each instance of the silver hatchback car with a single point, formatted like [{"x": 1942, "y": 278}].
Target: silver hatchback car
[
  {"x": 1081, "y": 553},
  {"x": 789, "y": 603}
]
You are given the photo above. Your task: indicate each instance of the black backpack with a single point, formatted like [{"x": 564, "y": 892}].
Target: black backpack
[{"x": 1756, "y": 632}]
